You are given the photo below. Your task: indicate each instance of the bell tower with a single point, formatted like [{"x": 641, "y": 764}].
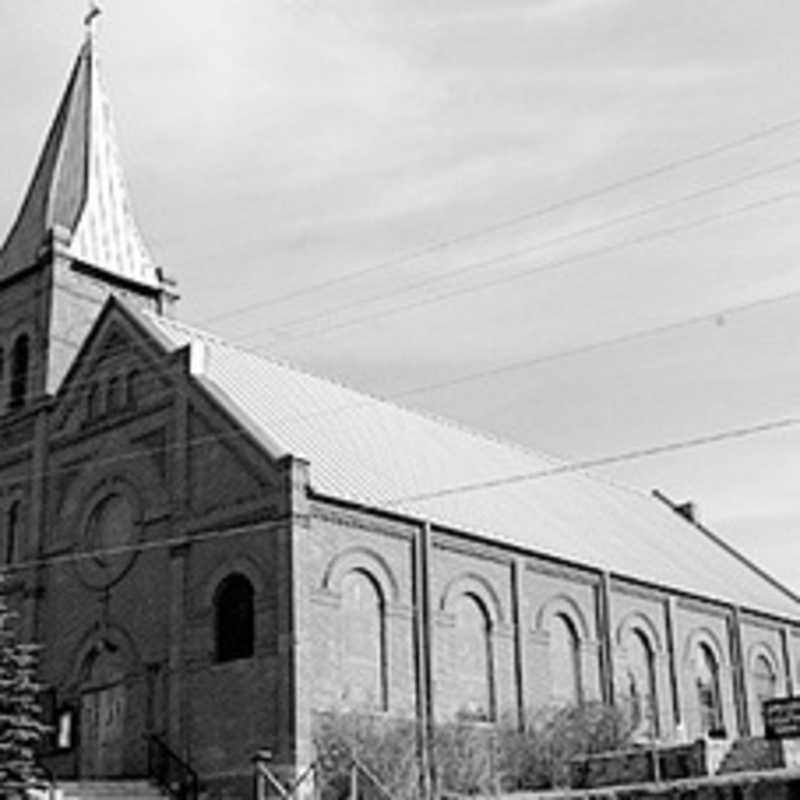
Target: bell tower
[{"x": 74, "y": 242}]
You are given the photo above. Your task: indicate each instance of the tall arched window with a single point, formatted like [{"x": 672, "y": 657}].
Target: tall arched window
[
  {"x": 115, "y": 398},
  {"x": 473, "y": 659},
  {"x": 234, "y": 618},
  {"x": 709, "y": 699},
  {"x": 363, "y": 642},
  {"x": 93, "y": 406},
  {"x": 20, "y": 358},
  {"x": 132, "y": 387},
  {"x": 640, "y": 684},
  {"x": 765, "y": 681},
  {"x": 12, "y": 533},
  {"x": 564, "y": 656}
]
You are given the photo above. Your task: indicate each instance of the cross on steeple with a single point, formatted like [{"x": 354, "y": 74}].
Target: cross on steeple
[{"x": 94, "y": 12}]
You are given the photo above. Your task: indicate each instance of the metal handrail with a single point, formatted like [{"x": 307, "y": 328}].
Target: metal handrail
[
  {"x": 169, "y": 771},
  {"x": 359, "y": 767}
]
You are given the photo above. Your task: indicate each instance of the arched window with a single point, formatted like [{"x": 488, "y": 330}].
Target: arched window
[
  {"x": 640, "y": 684},
  {"x": 234, "y": 618},
  {"x": 93, "y": 402},
  {"x": 132, "y": 388},
  {"x": 12, "y": 533},
  {"x": 114, "y": 394},
  {"x": 363, "y": 642},
  {"x": 564, "y": 656},
  {"x": 20, "y": 358},
  {"x": 473, "y": 659},
  {"x": 765, "y": 681},
  {"x": 709, "y": 699},
  {"x": 2, "y": 369}
]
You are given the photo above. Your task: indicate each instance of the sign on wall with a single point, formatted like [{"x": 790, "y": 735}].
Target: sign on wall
[{"x": 782, "y": 718}]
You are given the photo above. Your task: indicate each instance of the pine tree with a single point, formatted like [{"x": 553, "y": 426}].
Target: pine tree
[{"x": 21, "y": 727}]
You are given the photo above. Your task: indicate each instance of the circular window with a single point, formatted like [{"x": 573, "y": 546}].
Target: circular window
[{"x": 110, "y": 528}]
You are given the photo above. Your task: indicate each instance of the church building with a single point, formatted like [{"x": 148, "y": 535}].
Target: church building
[{"x": 213, "y": 547}]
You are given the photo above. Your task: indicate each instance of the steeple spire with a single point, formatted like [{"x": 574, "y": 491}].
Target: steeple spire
[{"x": 77, "y": 201}]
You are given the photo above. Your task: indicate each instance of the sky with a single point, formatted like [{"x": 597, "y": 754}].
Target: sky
[{"x": 453, "y": 158}]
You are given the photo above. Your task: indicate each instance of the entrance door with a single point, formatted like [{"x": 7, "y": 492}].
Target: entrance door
[{"x": 103, "y": 731}]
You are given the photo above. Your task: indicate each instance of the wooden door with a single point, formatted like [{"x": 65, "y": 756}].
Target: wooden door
[{"x": 103, "y": 731}]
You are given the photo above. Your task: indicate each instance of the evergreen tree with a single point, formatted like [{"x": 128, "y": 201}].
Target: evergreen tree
[{"x": 21, "y": 727}]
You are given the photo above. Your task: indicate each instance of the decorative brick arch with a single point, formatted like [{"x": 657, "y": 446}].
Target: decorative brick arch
[
  {"x": 361, "y": 559},
  {"x": 762, "y": 648},
  {"x": 92, "y": 642},
  {"x": 480, "y": 588},
  {"x": 566, "y": 606},
  {"x": 639, "y": 620},
  {"x": 705, "y": 636}
]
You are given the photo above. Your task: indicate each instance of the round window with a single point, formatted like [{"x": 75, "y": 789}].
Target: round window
[{"x": 111, "y": 527}]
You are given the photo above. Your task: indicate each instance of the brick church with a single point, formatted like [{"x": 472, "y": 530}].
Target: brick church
[{"x": 212, "y": 546}]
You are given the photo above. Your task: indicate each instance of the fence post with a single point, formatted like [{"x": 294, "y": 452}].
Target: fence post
[
  {"x": 261, "y": 758},
  {"x": 353, "y": 781}
]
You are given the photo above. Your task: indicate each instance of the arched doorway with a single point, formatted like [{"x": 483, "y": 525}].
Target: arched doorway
[{"x": 104, "y": 706}]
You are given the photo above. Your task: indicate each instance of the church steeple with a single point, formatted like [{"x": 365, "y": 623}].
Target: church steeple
[
  {"x": 73, "y": 243},
  {"x": 78, "y": 199}
]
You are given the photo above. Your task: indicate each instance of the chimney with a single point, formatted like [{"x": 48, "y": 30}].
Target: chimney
[{"x": 688, "y": 510}]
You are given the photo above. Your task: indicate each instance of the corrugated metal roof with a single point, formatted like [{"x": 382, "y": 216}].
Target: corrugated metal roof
[{"x": 372, "y": 452}]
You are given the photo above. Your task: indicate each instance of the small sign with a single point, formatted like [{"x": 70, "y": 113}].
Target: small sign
[{"x": 782, "y": 718}]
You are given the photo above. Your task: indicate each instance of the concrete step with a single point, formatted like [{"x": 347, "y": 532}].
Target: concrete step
[
  {"x": 752, "y": 754},
  {"x": 109, "y": 790}
]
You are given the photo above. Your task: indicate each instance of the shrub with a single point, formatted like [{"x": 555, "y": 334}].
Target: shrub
[
  {"x": 539, "y": 757},
  {"x": 469, "y": 758},
  {"x": 387, "y": 747}
]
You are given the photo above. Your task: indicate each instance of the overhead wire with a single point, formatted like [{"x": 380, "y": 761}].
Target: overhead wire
[
  {"x": 390, "y": 502},
  {"x": 550, "y": 266},
  {"x": 600, "y": 461},
  {"x": 546, "y": 267},
  {"x": 447, "y": 274},
  {"x": 558, "y": 205},
  {"x": 365, "y": 399}
]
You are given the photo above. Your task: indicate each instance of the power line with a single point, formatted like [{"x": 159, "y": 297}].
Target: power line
[
  {"x": 601, "y": 461},
  {"x": 550, "y": 266},
  {"x": 591, "y": 347},
  {"x": 473, "y": 266},
  {"x": 555, "y": 471},
  {"x": 540, "y": 211},
  {"x": 543, "y": 245},
  {"x": 142, "y": 547},
  {"x": 491, "y": 372}
]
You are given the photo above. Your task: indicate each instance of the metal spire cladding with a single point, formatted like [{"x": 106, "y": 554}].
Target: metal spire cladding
[{"x": 77, "y": 200}]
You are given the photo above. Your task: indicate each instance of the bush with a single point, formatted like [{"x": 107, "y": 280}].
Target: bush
[
  {"x": 469, "y": 758},
  {"x": 387, "y": 747},
  {"x": 539, "y": 757}
]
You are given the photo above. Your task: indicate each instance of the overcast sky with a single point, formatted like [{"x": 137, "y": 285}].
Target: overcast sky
[{"x": 274, "y": 145}]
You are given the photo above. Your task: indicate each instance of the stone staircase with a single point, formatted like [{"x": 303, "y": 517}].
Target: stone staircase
[
  {"x": 750, "y": 755},
  {"x": 108, "y": 790}
]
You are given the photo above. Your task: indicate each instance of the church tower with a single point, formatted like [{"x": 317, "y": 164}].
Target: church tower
[{"x": 73, "y": 243}]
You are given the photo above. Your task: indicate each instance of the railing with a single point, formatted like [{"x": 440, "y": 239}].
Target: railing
[
  {"x": 363, "y": 783},
  {"x": 49, "y": 778},
  {"x": 169, "y": 771}
]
